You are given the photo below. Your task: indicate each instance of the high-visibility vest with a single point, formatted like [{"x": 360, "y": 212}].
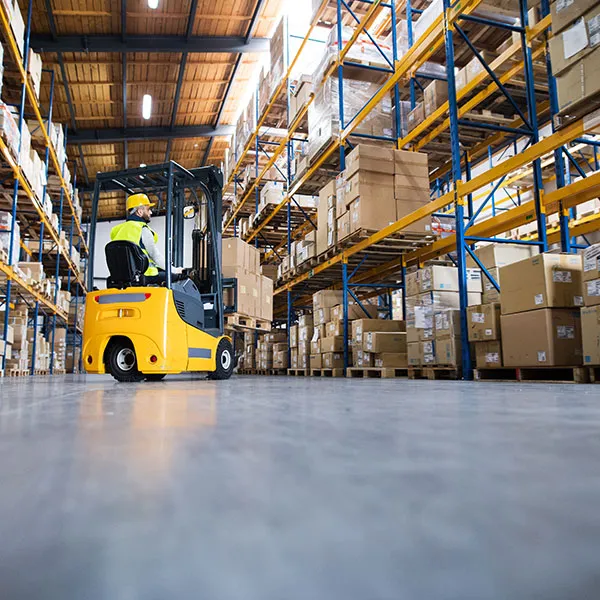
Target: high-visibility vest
[{"x": 131, "y": 231}]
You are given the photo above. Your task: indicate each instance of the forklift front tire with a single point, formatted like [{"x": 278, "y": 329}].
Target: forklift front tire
[{"x": 225, "y": 361}]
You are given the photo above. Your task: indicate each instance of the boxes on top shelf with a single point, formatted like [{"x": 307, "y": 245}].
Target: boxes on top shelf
[
  {"x": 17, "y": 24},
  {"x": 416, "y": 116},
  {"x": 543, "y": 281},
  {"x": 434, "y": 95},
  {"x": 301, "y": 95},
  {"x": 565, "y": 12},
  {"x": 9, "y": 130}
]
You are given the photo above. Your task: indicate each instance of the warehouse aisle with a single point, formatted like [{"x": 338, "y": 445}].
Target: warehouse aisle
[{"x": 293, "y": 488}]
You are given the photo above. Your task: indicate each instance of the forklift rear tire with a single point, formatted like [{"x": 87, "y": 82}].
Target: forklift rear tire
[
  {"x": 155, "y": 376},
  {"x": 121, "y": 362},
  {"x": 225, "y": 361}
]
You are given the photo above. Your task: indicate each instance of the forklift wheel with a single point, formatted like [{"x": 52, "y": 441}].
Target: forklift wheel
[
  {"x": 155, "y": 376},
  {"x": 225, "y": 361},
  {"x": 121, "y": 362}
]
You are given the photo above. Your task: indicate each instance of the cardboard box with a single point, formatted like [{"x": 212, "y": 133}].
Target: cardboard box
[
  {"x": 427, "y": 333},
  {"x": 575, "y": 42},
  {"x": 325, "y": 195},
  {"x": 331, "y": 360},
  {"x": 488, "y": 355},
  {"x": 316, "y": 361},
  {"x": 590, "y": 327},
  {"x": 448, "y": 351},
  {"x": 474, "y": 66},
  {"x": 427, "y": 353},
  {"x": 355, "y": 311},
  {"x": 276, "y": 337},
  {"x": 365, "y": 213},
  {"x": 547, "y": 337},
  {"x": 461, "y": 78},
  {"x": 305, "y": 334},
  {"x": 500, "y": 255},
  {"x": 390, "y": 360},
  {"x": 440, "y": 278},
  {"x": 364, "y": 157},
  {"x": 280, "y": 360},
  {"x": 327, "y": 299},
  {"x": 322, "y": 316},
  {"x": 543, "y": 281},
  {"x": 306, "y": 320},
  {"x": 591, "y": 292},
  {"x": 377, "y": 342},
  {"x": 377, "y": 188},
  {"x": 406, "y": 207},
  {"x": 304, "y": 348},
  {"x": 413, "y": 354},
  {"x": 335, "y": 327},
  {"x": 566, "y": 12},
  {"x": 315, "y": 346},
  {"x": 413, "y": 283},
  {"x": 483, "y": 322},
  {"x": 364, "y": 359},
  {"x": 362, "y": 326},
  {"x": 343, "y": 226},
  {"x": 411, "y": 169},
  {"x": 591, "y": 263},
  {"x": 490, "y": 293},
  {"x": 580, "y": 82},
  {"x": 412, "y": 335},
  {"x": 446, "y": 323},
  {"x": 435, "y": 94},
  {"x": 416, "y": 116},
  {"x": 332, "y": 344}
]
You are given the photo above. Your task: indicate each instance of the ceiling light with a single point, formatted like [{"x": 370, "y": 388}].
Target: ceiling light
[
  {"x": 142, "y": 165},
  {"x": 146, "y": 106},
  {"x": 153, "y": 3}
]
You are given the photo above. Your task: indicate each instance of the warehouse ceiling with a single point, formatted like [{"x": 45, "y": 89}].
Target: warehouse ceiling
[{"x": 102, "y": 54}]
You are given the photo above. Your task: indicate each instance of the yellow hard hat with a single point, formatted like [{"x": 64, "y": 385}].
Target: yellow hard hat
[{"x": 136, "y": 200}]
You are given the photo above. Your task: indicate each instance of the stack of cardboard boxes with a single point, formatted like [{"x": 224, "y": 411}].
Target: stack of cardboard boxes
[
  {"x": 17, "y": 353},
  {"x": 590, "y": 314},
  {"x": 483, "y": 321},
  {"x": 272, "y": 351},
  {"x": 254, "y": 290},
  {"x": 379, "y": 186},
  {"x": 575, "y": 53},
  {"x": 430, "y": 292},
  {"x": 379, "y": 343},
  {"x": 541, "y": 299},
  {"x": 301, "y": 336}
]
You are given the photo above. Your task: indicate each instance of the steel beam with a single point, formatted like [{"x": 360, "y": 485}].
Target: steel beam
[
  {"x": 146, "y": 43},
  {"x": 132, "y": 134}
]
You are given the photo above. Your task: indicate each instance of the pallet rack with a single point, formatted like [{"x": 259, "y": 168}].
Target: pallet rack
[
  {"x": 24, "y": 205},
  {"x": 462, "y": 191}
]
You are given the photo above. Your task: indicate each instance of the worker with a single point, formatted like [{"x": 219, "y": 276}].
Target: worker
[{"x": 136, "y": 229}]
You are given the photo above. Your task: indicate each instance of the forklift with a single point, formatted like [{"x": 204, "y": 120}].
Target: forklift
[{"x": 136, "y": 331}]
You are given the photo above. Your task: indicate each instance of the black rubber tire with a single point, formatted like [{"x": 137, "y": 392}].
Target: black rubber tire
[
  {"x": 121, "y": 353},
  {"x": 155, "y": 376},
  {"x": 225, "y": 361}
]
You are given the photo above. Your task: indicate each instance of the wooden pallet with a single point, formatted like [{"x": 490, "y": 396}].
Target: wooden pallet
[
  {"x": 16, "y": 373},
  {"x": 247, "y": 372},
  {"x": 376, "y": 372},
  {"x": 594, "y": 374},
  {"x": 434, "y": 373},
  {"x": 327, "y": 373},
  {"x": 576, "y": 111},
  {"x": 535, "y": 374},
  {"x": 243, "y": 322},
  {"x": 59, "y": 372},
  {"x": 298, "y": 372},
  {"x": 41, "y": 372}
]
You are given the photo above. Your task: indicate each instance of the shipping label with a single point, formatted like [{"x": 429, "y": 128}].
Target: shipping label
[
  {"x": 575, "y": 39},
  {"x": 593, "y": 287},
  {"x": 541, "y": 357},
  {"x": 591, "y": 257},
  {"x": 539, "y": 299},
  {"x": 565, "y": 332},
  {"x": 427, "y": 347},
  {"x": 492, "y": 357},
  {"x": 488, "y": 332},
  {"x": 563, "y": 5},
  {"x": 561, "y": 277},
  {"x": 478, "y": 318},
  {"x": 578, "y": 300},
  {"x": 594, "y": 30},
  {"x": 428, "y": 359}
]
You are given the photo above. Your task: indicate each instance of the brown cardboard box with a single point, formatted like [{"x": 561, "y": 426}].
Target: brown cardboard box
[
  {"x": 325, "y": 195},
  {"x": 364, "y": 359},
  {"x": 362, "y": 326},
  {"x": 543, "y": 281},
  {"x": 391, "y": 360},
  {"x": 448, "y": 352},
  {"x": 327, "y": 299},
  {"x": 406, "y": 207},
  {"x": 377, "y": 341},
  {"x": 369, "y": 186},
  {"x": 440, "y": 278},
  {"x": 280, "y": 360},
  {"x": 368, "y": 214},
  {"x": 483, "y": 322},
  {"x": 490, "y": 293},
  {"x": 413, "y": 283},
  {"x": 333, "y": 360},
  {"x": 280, "y": 347},
  {"x": 416, "y": 116},
  {"x": 332, "y": 237},
  {"x": 411, "y": 168},
  {"x": 335, "y": 327},
  {"x": 365, "y": 157},
  {"x": 266, "y": 298},
  {"x": 427, "y": 333},
  {"x": 474, "y": 66},
  {"x": 315, "y": 346},
  {"x": 332, "y": 344},
  {"x": 579, "y": 82},
  {"x": 316, "y": 361},
  {"x": 427, "y": 351},
  {"x": 461, "y": 78},
  {"x": 343, "y": 226},
  {"x": 591, "y": 262},
  {"x": 294, "y": 358},
  {"x": 306, "y": 320},
  {"x": 565, "y": 13},
  {"x": 276, "y": 337},
  {"x": 590, "y": 327},
  {"x": 305, "y": 333},
  {"x": 435, "y": 94},
  {"x": 412, "y": 335},
  {"x": 304, "y": 348},
  {"x": 547, "y": 337},
  {"x": 500, "y": 255},
  {"x": 414, "y": 354},
  {"x": 340, "y": 194},
  {"x": 322, "y": 316},
  {"x": 574, "y": 43},
  {"x": 10, "y": 338},
  {"x": 488, "y": 355},
  {"x": 591, "y": 292},
  {"x": 446, "y": 323},
  {"x": 303, "y": 361},
  {"x": 355, "y": 311}
]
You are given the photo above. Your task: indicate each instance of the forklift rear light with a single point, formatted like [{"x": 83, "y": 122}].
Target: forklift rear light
[
  {"x": 147, "y": 296},
  {"x": 153, "y": 358}
]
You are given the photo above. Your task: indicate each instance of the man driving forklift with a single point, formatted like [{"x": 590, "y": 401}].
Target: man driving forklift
[{"x": 136, "y": 229}]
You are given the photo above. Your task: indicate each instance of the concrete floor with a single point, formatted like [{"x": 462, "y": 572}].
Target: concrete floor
[{"x": 298, "y": 489}]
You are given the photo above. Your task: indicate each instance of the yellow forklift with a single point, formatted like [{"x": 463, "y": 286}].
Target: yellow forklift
[{"x": 136, "y": 331}]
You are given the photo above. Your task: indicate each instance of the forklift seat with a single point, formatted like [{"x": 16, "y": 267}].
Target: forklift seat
[{"x": 126, "y": 264}]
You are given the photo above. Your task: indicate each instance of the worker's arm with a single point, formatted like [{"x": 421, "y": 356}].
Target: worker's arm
[{"x": 152, "y": 248}]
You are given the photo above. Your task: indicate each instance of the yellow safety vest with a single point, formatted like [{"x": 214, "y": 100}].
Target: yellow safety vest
[{"x": 131, "y": 231}]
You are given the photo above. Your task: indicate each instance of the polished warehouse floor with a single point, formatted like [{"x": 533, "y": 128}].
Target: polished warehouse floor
[{"x": 298, "y": 489}]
